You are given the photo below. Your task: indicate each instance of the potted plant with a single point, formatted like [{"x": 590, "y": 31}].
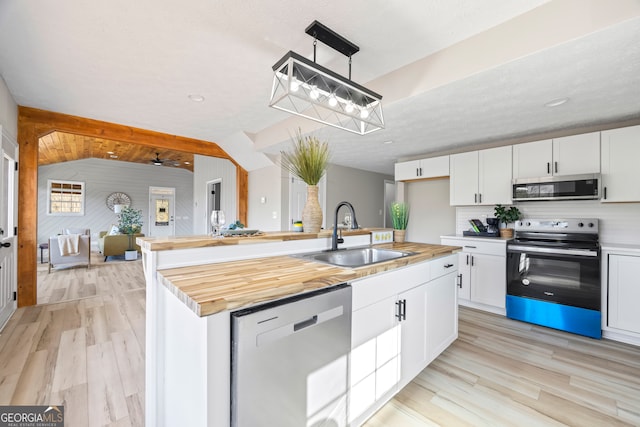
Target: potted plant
[
  {"x": 400, "y": 219},
  {"x": 507, "y": 216},
  {"x": 308, "y": 161},
  {"x": 130, "y": 222}
]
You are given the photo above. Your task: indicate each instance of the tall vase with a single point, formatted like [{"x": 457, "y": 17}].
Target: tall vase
[{"x": 312, "y": 212}]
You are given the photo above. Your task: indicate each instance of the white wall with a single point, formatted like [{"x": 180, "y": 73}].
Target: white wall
[
  {"x": 265, "y": 199},
  {"x": 363, "y": 189},
  {"x": 8, "y": 111},
  {"x": 103, "y": 177},
  {"x": 430, "y": 215},
  {"x": 208, "y": 169}
]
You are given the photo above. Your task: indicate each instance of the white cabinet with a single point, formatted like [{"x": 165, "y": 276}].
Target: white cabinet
[
  {"x": 481, "y": 177},
  {"x": 620, "y": 171},
  {"x": 482, "y": 270},
  {"x": 401, "y": 321},
  {"x": 433, "y": 167},
  {"x": 624, "y": 293},
  {"x": 569, "y": 155}
]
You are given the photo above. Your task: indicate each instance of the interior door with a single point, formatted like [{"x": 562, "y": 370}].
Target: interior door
[
  {"x": 8, "y": 215},
  {"x": 162, "y": 211}
]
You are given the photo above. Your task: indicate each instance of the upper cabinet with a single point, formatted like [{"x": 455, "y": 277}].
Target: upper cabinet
[
  {"x": 433, "y": 167},
  {"x": 481, "y": 177},
  {"x": 569, "y": 155},
  {"x": 620, "y": 170}
]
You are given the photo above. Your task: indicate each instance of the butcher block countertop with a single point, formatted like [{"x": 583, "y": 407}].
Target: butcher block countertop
[
  {"x": 211, "y": 288},
  {"x": 202, "y": 241}
]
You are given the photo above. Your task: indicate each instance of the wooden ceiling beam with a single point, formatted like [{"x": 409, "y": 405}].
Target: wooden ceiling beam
[{"x": 34, "y": 124}]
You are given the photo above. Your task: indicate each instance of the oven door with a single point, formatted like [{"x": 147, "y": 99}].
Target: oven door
[{"x": 562, "y": 276}]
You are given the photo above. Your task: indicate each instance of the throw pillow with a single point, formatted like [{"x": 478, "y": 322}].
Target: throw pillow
[{"x": 114, "y": 230}]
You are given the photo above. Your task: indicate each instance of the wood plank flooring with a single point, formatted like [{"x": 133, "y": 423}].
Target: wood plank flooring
[{"x": 88, "y": 354}]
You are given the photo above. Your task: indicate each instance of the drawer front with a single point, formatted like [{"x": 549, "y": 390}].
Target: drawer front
[
  {"x": 475, "y": 246},
  {"x": 380, "y": 286},
  {"x": 444, "y": 265}
]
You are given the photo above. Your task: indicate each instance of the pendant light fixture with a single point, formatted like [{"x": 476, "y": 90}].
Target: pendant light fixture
[{"x": 304, "y": 88}]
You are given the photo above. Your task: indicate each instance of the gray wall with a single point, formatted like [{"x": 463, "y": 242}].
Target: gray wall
[
  {"x": 265, "y": 199},
  {"x": 430, "y": 215},
  {"x": 363, "y": 189},
  {"x": 101, "y": 178},
  {"x": 8, "y": 111},
  {"x": 208, "y": 169}
]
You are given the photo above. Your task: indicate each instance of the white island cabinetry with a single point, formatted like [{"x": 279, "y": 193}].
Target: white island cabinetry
[{"x": 401, "y": 321}]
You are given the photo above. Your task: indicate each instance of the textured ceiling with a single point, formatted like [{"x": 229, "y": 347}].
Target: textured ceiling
[{"x": 135, "y": 63}]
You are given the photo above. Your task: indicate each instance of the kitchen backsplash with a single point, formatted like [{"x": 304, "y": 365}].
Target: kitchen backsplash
[{"x": 619, "y": 222}]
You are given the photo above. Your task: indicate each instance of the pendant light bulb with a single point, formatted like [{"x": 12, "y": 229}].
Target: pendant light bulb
[
  {"x": 333, "y": 101},
  {"x": 314, "y": 94},
  {"x": 349, "y": 107},
  {"x": 364, "y": 113},
  {"x": 295, "y": 84}
]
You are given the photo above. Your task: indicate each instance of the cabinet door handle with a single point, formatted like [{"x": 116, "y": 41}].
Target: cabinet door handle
[
  {"x": 399, "y": 310},
  {"x": 467, "y": 259},
  {"x": 480, "y": 197},
  {"x": 548, "y": 167},
  {"x": 469, "y": 246},
  {"x": 448, "y": 265},
  {"x": 475, "y": 197},
  {"x": 417, "y": 171},
  {"x": 605, "y": 193},
  {"x": 471, "y": 260},
  {"x": 420, "y": 171},
  {"x": 404, "y": 309},
  {"x": 555, "y": 167},
  {"x": 459, "y": 281}
]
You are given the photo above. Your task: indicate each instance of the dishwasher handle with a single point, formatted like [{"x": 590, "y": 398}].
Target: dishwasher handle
[{"x": 305, "y": 323}]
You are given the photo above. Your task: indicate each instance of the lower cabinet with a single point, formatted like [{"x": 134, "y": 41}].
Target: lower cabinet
[
  {"x": 624, "y": 293},
  {"x": 482, "y": 280},
  {"x": 410, "y": 320}
]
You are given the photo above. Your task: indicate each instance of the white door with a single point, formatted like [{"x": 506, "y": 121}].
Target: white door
[
  {"x": 8, "y": 215},
  {"x": 162, "y": 211},
  {"x": 389, "y": 197}
]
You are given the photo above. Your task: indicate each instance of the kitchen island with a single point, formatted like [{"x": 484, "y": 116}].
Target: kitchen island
[{"x": 193, "y": 284}]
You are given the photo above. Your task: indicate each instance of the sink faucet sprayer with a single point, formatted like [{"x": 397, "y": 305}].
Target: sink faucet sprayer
[{"x": 354, "y": 225}]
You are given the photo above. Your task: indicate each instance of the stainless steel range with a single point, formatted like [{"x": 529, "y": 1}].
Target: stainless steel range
[{"x": 553, "y": 275}]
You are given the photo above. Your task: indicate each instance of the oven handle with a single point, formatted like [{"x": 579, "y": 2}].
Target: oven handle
[{"x": 580, "y": 252}]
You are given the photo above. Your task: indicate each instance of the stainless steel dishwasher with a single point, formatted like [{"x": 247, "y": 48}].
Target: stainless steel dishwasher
[{"x": 290, "y": 361}]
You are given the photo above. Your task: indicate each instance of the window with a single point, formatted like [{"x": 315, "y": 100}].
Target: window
[{"x": 65, "y": 198}]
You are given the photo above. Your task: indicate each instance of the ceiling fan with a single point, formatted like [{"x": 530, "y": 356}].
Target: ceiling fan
[{"x": 160, "y": 162}]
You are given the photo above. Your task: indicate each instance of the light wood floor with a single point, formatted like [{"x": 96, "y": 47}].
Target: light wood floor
[{"x": 88, "y": 355}]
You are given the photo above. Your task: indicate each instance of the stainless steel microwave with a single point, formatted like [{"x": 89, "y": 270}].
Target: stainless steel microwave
[{"x": 573, "y": 187}]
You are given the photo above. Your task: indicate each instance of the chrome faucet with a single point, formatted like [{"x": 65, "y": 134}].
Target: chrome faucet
[{"x": 354, "y": 225}]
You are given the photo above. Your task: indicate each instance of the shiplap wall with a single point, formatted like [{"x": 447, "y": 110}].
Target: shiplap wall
[
  {"x": 103, "y": 177},
  {"x": 209, "y": 169},
  {"x": 619, "y": 222}
]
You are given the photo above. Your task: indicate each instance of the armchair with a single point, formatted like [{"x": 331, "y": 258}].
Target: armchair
[{"x": 56, "y": 259}]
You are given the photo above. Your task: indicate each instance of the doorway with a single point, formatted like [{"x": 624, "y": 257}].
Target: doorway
[
  {"x": 298, "y": 197},
  {"x": 8, "y": 215},
  {"x": 214, "y": 194},
  {"x": 162, "y": 211},
  {"x": 389, "y": 197}
]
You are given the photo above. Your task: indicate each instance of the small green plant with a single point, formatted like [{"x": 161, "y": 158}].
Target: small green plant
[
  {"x": 130, "y": 222},
  {"x": 308, "y": 160},
  {"x": 507, "y": 216},
  {"x": 399, "y": 215}
]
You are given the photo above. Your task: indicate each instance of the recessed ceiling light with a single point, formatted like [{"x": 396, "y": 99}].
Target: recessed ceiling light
[
  {"x": 113, "y": 156},
  {"x": 388, "y": 142},
  {"x": 196, "y": 98},
  {"x": 556, "y": 102},
  {"x": 187, "y": 163},
  {"x": 110, "y": 152}
]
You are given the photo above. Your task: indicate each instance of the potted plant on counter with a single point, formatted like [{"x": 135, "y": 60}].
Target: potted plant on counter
[
  {"x": 400, "y": 219},
  {"x": 507, "y": 216},
  {"x": 130, "y": 222},
  {"x": 308, "y": 161}
]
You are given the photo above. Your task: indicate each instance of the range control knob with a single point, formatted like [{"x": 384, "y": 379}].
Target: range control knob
[
  {"x": 528, "y": 224},
  {"x": 591, "y": 224},
  {"x": 580, "y": 224}
]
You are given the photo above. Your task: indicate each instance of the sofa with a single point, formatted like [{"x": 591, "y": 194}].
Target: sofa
[{"x": 114, "y": 245}]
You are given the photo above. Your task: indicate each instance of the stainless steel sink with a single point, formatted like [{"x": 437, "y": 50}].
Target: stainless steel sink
[{"x": 355, "y": 257}]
